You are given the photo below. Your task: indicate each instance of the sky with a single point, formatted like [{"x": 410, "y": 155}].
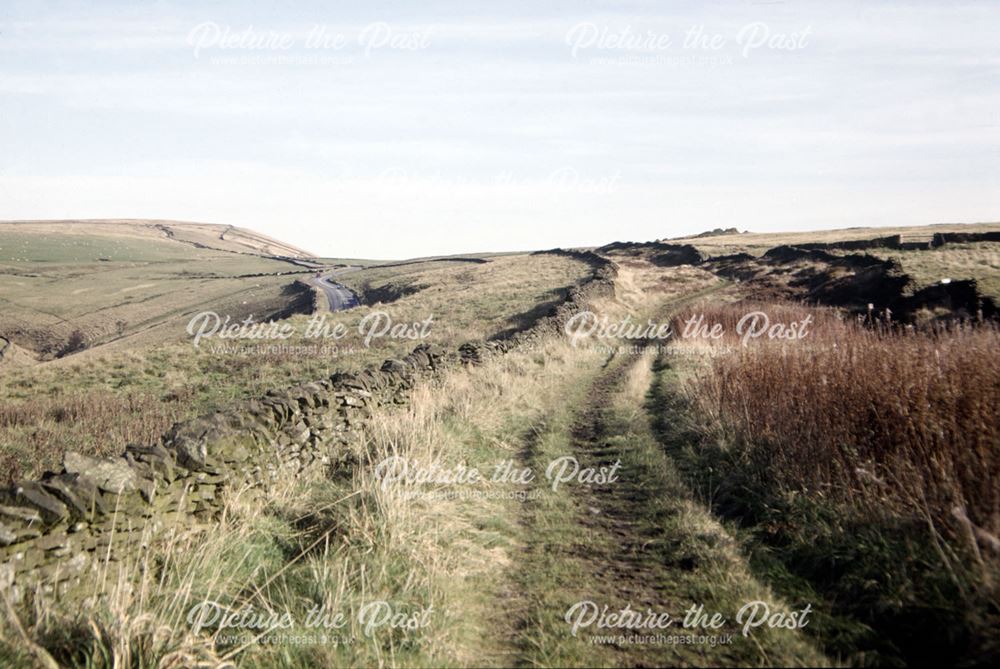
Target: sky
[{"x": 403, "y": 129}]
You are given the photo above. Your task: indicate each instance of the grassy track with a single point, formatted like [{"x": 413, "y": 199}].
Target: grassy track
[{"x": 641, "y": 541}]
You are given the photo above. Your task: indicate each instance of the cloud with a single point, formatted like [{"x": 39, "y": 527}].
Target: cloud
[{"x": 886, "y": 114}]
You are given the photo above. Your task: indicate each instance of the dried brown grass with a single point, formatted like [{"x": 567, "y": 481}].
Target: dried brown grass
[
  {"x": 898, "y": 422},
  {"x": 98, "y": 422}
]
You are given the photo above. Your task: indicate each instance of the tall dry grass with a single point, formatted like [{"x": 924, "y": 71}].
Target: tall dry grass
[
  {"x": 826, "y": 325},
  {"x": 895, "y": 424},
  {"x": 337, "y": 539},
  {"x": 38, "y": 431},
  {"x": 903, "y": 422},
  {"x": 865, "y": 465}
]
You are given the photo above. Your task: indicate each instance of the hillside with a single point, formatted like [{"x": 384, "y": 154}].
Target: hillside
[
  {"x": 69, "y": 285},
  {"x": 533, "y": 445},
  {"x": 99, "y": 338},
  {"x": 207, "y": 236}
]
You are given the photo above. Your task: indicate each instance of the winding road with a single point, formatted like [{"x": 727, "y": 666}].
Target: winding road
[{"x": 338, "y": 297}]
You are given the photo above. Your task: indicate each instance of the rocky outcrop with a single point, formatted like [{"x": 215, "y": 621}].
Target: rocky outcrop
[
  {"x": 658, "y": 253},
  {"x": 676, "y": 255}
]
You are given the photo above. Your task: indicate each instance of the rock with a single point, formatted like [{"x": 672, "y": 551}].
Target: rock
[
  {"x": 6, "y": 576},
  {"x": 159, "y": 459},
  {"x": 191, "y": 451},
  {"x": 20, "y": 513},
  {"x": 49, "y": 506},
  {"x": 52, "y": 540},
  {"x": 147, "y": 489},
  {"x": 395, "y": 366},
  {"x": 114, "y": 476},
  {"x": 7, "y": 535},
  {"x": 61, "y": 488}
]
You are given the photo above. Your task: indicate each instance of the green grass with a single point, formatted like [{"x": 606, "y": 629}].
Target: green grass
[
  {"x": 467, "y": 302},
  {"x": 685, "y": 557},
  {"x": 108, "y": 282},
  {"x": 979, "y": 261}
]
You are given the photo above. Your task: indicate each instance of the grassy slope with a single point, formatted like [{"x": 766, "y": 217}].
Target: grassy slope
[
  {"x": 219, "y": 237},
  {"x": 99, "y": 400},
  {"x": 114, "y": 280},
  {"x": 979, "y": 261},
  {"x": 496, "y": 564}
]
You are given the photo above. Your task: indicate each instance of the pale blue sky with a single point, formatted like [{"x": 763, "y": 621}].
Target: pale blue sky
[{"x": 444, "y": 127}]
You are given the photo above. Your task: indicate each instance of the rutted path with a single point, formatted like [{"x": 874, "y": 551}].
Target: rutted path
[{"x": 639, "y": 542}]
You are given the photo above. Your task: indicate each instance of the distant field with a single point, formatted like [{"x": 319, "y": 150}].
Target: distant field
[
  {"x": 757, "y": 243},
  {"x": 979, "y": 261},
  {"x": 197, "y": 235},
  {"x": 108, "y": 281},
  {"x": 132, "y": 389}
]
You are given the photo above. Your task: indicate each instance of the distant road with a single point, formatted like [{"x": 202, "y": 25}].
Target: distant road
[{"x": 338, "y": 297}]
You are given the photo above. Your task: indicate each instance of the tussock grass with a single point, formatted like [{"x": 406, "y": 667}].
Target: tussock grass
[
  {"x": 98, "y": 422},
  {"x": 337, "y": 540},
  {"x": 866, "y": 465},
  {"x": 736, "y": 317},
  {"x": 899, "y": 423}
]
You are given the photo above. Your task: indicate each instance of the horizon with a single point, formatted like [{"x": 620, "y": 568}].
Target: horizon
[
  {"x": 310, "y": 252},
  {"x": 399, "y": 131}
]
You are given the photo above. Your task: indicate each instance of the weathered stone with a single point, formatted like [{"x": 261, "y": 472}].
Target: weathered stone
[
  {"x": 298, "y": 432},
  {"x": 113, "y": 476},
  {"x": 63, "y": 569},
  {"x": 147, "y": 488},
  {"x": 8, "y": 536},
  {"x": 20, "y": 513},
  {"x": 49, "y": 506},
  {"x": 159, "y": 459},
  {"x": 191, "y": 451},
  {"x": 6, "y": 576},
  {"x": 52, "y": 540},
  {"x": 79, "y": 494}
]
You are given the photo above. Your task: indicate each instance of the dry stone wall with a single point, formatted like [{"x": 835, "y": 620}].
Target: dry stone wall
[{"x": 57, "y": 533}]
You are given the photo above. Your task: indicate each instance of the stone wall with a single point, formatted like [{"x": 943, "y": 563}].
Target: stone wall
[
  {"x": 601, "y": 284},
  {"x": 942, "y": 238},
  {"x": 57, "y": 532}
]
